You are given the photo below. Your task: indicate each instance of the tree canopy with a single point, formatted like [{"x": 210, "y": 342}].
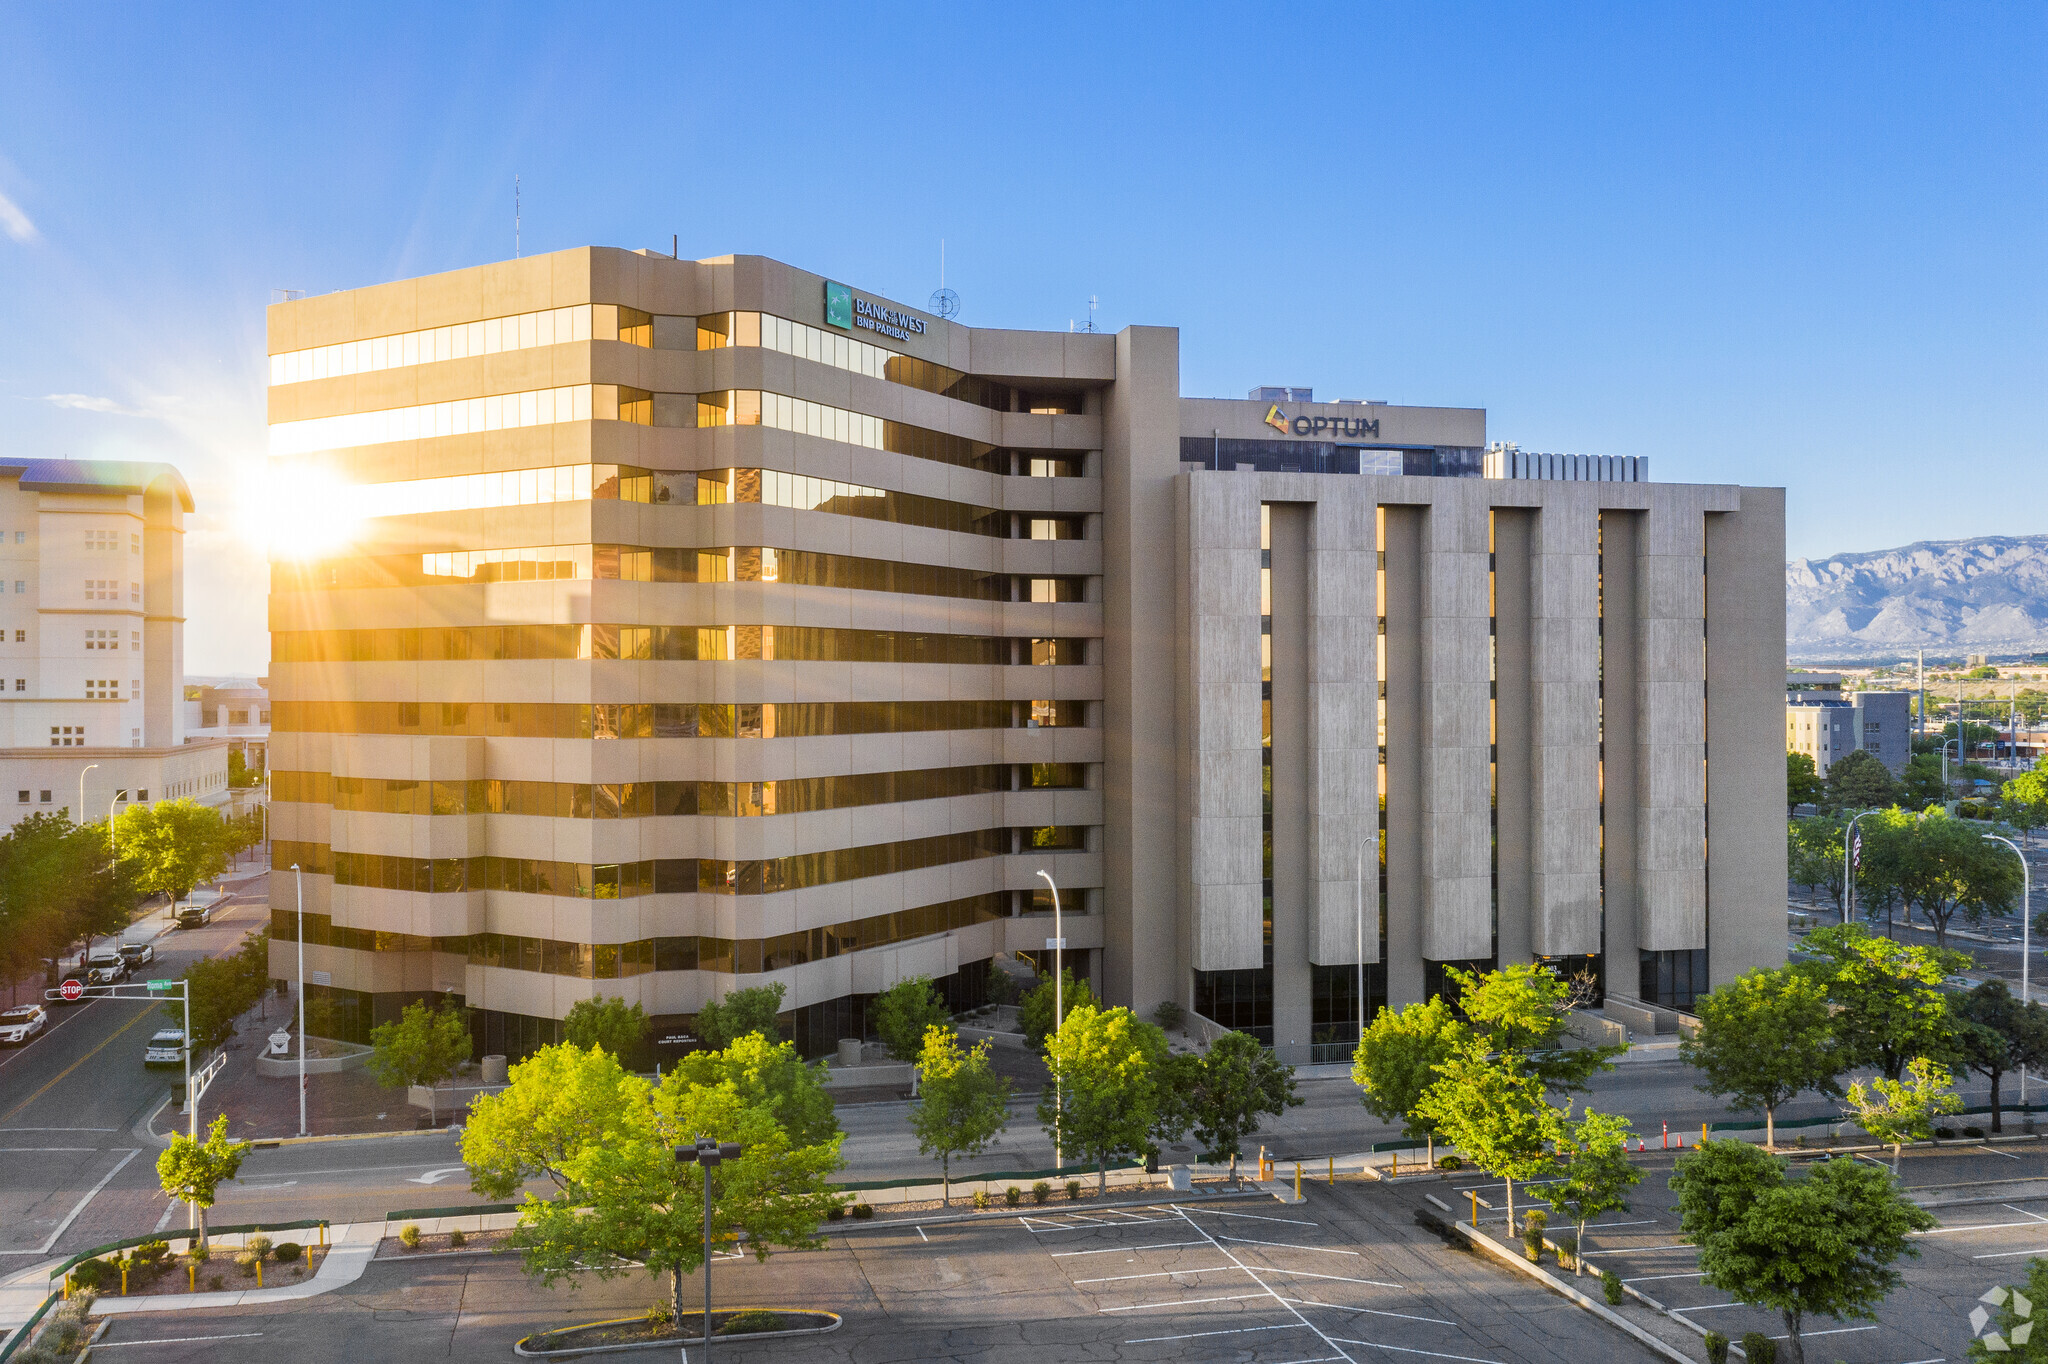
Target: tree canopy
[
  {"x": 1596, "y": 1173},
  {"x": 1947, "y": 867},
  {"x": 1034, "y": 1015},
  {"x": 754, "y": 1009},
  {"x": 609, "y": 1022},
  {"x": 1493, "y": 1109},
  {"x": 1903, "y": 1110},
  {"x": 904, "y": 1012},
  {"x": 1802, "y": 782},
  {"x": 1890, "y": 1007},
  {"x": 195, "y": 1170},
  {"x": 1104, "y": 1099},
  {"x": 57, "y": 886},
  {"x": 1764, "y": 1039},
  {"x": 171, "y": 846},
  {"x": 423, "y": 1047},
  {"x": 1858, "y": 780},
  {"x": 1222, "y": 1093},
  {"x": 1522, "y": 1013},
  {"x": 1396, "y": 1061},
  {"x": 1995, "y": 1035},
  {"x": 964, "y": 1106}
]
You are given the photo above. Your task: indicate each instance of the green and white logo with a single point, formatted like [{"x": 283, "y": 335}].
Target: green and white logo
[
  {"x": 838, "y": 305},
  {"x": 2018, "y": 1321}
]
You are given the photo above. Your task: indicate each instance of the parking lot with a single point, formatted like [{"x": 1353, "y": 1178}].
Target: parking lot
[
  {"x": 1992, "y": 1203},
  {"x": 1347, "y": 1275}
]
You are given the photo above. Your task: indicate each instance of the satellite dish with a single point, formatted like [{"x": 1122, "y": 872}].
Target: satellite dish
[{"x": 944, "y": 303}]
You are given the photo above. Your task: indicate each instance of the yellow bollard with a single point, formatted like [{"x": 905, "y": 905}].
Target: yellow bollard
[
  {"x": 1297, "y": 1179},
  {"x": 1703, "y": 1132},
  {"x": 67, "y": 1288},
  {"x": 124, "y": 1278},
  {"x": 1397, "y": 1163},
  {"x": 192, "y": 1278},
  {"x": 1474, "y": 1196},
  {"x": 259, "y": 1273},
  {"x": 1333, "y": 1172}
]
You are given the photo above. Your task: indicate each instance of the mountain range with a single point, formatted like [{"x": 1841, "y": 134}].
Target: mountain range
[{"x": 1985, "y": 595}]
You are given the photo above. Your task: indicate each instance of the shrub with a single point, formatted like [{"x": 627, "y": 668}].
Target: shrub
[
  {"x": 863, "y": 1211},
  {"x": 90, "y": 1274},
  {"x": 201, "y": 1253},
  {"x": 288, "y": 1251},
  {"x": 1013, "y": 1195},
  {"x": 835, "y": 1213},
  {"x": 409, "y": 1236},
  {"x": 214, "y": 1282},
  {"x": 661, "y": 1314},
  {"x": 152, "y": 1252},
  {"x": 1944, "y": 1133},
  {"x": 1169, "y": 1015},
  {"x": 1073, "y": 1191},
  {"x": 1717, "y": 1348},
  {"x": 1567, "y": 1251},
  {"x": 981, "y": 1198},
  {"x": 1759, "y": 1348},
  {"x": 456, "y": 1238},
  {"x": 752, "y": 1320},
  {"x": 1450, "y": 1163},
  {"x": 260, "y": 1245},
  {"x": 1610, "y": 1287},
  {"x": 1976, "y": 1133},
  {"x": 246, "y": 1262},
  {"x": 1040, "y": 1191},
  {"x": 1533, "y": 1223}
]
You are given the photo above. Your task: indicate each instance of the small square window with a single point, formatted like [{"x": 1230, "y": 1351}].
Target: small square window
[
  {"x": 45, "y": 795},
  {"x": 142, "y": 793},
  {"x": 21, "y": 684},
  {"x": 21, "y": 636},
  {"x": 21, "y": 584},
  {"x": 21, "y": 537},
  {"x": 21, "y": 797}
]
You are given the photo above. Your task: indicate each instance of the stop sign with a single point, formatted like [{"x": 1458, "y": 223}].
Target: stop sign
[{"x": 71, "y": 989}]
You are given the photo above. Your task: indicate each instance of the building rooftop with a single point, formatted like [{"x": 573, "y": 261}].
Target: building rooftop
[{"x": 116, "y": 476}]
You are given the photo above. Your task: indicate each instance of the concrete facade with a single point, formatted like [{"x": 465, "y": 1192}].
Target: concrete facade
[{"x": 635, "y": 719}]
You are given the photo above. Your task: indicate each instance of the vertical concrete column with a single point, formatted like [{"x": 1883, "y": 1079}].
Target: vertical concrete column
[
  {"x": 1619, "y": 662},
  {"x": 1293, "y": 872},
  {"x": 1343, "y": 723},
  {"x": 1745, "y": 779},
  {"x": 1219, "y": 695},
  {"x": 1565, "y": 716},
  {"x": 1456, "y": 781},
  {"x": 1404, "y": 739},
  {"x": 1671, "y": 852},
  {"x": 1516, "y": 825},
  {"x": 1140, "y": 461},
  {"x": 163, "y": 619}
]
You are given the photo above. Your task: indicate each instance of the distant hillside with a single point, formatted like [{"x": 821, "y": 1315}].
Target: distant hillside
[{"x": 1987, "y": 595}]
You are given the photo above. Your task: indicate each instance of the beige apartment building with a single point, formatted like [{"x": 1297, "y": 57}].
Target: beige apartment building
[{"x": 710, "y": 623}]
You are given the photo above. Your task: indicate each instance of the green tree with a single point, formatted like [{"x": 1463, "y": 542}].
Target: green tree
[
  {"x": 2034, "y": 1348},
  {"x": 625, "y": 1203},
  {"x": 1888, "y": 997},
  {"x": 965, "y": 1105},
  {"x": 1522, "y": 1013},
  {"x": 423, "y": 1047},
  {"x": 1814, "y": 846},
  {"x": 1034, "y": 1015},
  {"x": 1920, "y": 784},
  {"x": 1396, "y": 1061},
  {"x": 1764, "y": 1039},
  {"x": 222, "y": 989},
  {"x": 1995, "y": 1036},
  {"x": 1899, "y": 1111},
  {"x": 1494, "y": 1111},
  {"x": 754, "y": 1009},
  {"x": 1802, "y": 782},
  {"x": 1104, "y": 1099},
  {"x": 194, "y": 1170},
  {"x": 1222, "y": 1093},
  {"x": 1819, "y": 1246},
  {"x": 768, "y": 1074},
  {"x": 1596, "y": 1173},
  {"x": 57, "y": 886},
  {"x": 904, "y": 1013},
  {"x": 609, "y": 1022},
  {"x": 171, "y": 846},
  {"x": 1949, "y": 868},
  {"x": 1858, "y": 780}
]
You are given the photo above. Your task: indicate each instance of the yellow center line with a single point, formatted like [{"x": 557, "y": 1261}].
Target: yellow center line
[{"x": 76, "y": 1064}]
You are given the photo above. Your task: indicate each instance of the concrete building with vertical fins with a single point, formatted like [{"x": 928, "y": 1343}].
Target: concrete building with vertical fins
[{"x": 711, "y": 623}]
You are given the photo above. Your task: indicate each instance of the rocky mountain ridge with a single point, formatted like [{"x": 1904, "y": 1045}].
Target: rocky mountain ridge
[{"x": 1983, "y": 595}]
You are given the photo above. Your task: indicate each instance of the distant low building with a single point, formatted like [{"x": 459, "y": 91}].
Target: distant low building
[
  {"x": 92, "y": 628},
  {"x": 240, "y": 715},
  {"x": 1826, "y": 723}
]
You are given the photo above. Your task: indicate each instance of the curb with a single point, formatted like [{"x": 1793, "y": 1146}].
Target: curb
[
  {"x": 1002, "y": 1214},
  {"x": 1558, "y": 1286},
  {"x": 519, "y": 1346}
]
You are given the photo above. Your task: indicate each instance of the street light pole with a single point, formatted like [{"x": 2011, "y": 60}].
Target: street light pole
[
  {"x": 300, "y": 877},
  {"x": 1059, "y": 1012},
  {"x": 1848, "y": 862},
  {"x": 1361, "y": 944},
  {"x": 2026, "y": 938},
  {"x": 81, "y": 792},
  {"x": 708, "y": 1155}
]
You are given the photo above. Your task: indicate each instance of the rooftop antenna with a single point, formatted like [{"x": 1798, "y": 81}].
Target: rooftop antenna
[
  {"x": 1092, "y": 304},
  {"x": 944, "y": 302},
  {"x": 515, "y": 217}
]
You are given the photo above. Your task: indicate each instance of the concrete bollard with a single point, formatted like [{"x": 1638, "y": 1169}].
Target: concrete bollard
[
  {"x": 495, "y": 1070},
  {"x": 849, "y": 1051}
]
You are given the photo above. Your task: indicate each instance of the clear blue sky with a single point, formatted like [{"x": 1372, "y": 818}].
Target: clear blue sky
[{"x": 1794, "y": 245}]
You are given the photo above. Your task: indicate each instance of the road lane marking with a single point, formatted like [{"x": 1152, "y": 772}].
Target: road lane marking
[
  {"x": 1369, "y": 1311},
  {"x": 1710, "y": 1307},
  {"x": 1125, "y": 1250},
  {"x": 1403, "y": 1350},
  {"x": 1284, "y": 1245},
  {"x": 1981, "y": 1226},
  {"x": 176, "y": 1340},
  {"x": 146, "y": 1013},
  {"x": 92, "y": 1194},
  {"x": 1181, "y": 1302}
]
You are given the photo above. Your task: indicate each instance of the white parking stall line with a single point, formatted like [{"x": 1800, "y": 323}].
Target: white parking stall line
[
  {"x": 1125, "y": 1250},
  {"x": 1339, "y": 1278},
  {"x": 2011, "y": 1254},
  {"x": 1652, "y": 1278},
  {"x": 1989, "y": 1150},
  {"x": 1369, "y": 1311},
  {"x": 1044, "y": 1226},
  {"x": 1710, "y": 1307},
  {"x": 1287, "y": 1245},
  {"x": 927, "y": 1239},
  {"x": 175, "y": 1340},
  {"x": 1837, "y": 1331},
  {"x": 1603, "y": 1226},
  {"x": 1254, "y": 1217},
  {"x": 1403, "y": 1350},
  {"x": 2024, "y": 1213},
  {"x": 1179, "y": 1302},
  {"x": 1200, "y": 1335},
  {"x": 1270, "y": 1292},
  {"x": 26, "y": 1150},
  {"x": 1163, "y": 1274},
  {"x": 1979, "y": 1226}
]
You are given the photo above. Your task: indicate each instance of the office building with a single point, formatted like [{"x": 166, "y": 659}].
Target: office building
[
  {"x": 1825, "y": 722},
  {"x": 92, "y": 640},
  {"x": 712, "y": 623}
]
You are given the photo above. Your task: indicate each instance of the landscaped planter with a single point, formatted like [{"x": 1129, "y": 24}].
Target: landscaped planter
[{"x": 638, "y": 1333}]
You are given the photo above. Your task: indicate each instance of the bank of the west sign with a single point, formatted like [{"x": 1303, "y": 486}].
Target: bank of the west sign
[
  {"x": 844, "y": 308},
  {"x": 1354, "y": 427}
]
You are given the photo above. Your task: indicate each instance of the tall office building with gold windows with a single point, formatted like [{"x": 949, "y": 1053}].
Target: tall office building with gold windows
[{"x": 680, "y": 626}]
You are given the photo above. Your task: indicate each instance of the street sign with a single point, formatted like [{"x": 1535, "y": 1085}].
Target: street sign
[
  {"x": 72, "y": 991},
  {"x": 159, "y": 983},
  {"x": 1055, "y": 944}
]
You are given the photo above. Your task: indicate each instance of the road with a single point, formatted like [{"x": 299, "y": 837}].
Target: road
[{"x": 73, "y": 1170}]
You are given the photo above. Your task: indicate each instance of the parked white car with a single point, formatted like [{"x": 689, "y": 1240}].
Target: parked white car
[
  {"x": 105, "y": 968},
  {"x": 166, "y": 1048},
  {"x": 137, "y": 954},
  {"x": 18, "y": 1025}
]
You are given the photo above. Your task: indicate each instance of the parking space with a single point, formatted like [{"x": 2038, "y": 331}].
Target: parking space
[{"x": 1991, "y": 1203}]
